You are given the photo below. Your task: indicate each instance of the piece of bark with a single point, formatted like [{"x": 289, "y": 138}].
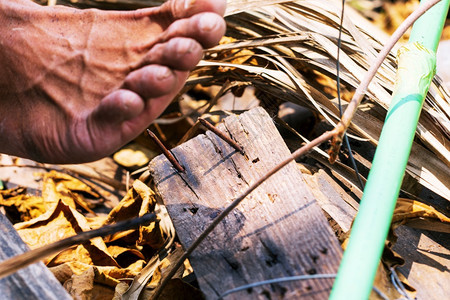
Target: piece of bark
[
  {"x": 277, "y": 231},
  {"x": 32, "y": 282}
]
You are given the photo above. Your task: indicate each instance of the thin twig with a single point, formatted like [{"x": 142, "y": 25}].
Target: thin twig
[
  {"x": 18, "y": 262},
  {"x": 77, "y": 169},
  {"x": 363, "y": 86}
]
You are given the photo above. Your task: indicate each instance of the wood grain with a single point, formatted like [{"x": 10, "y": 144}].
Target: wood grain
[{"x": 278, "y": 230}]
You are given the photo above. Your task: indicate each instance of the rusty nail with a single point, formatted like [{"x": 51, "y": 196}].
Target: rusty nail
[
  {"x": 220, "y": 134},
  {"x": 166, "y": 152}
]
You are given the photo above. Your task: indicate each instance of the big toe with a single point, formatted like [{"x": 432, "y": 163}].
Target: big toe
[
  {"x": 125, "y": 113},
  {"x": 180, "y": 9}
]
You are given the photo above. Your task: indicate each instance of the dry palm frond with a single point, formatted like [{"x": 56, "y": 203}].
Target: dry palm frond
[
  {"x": 294, "y": 38},
  {"x": 291, "y": 43}
]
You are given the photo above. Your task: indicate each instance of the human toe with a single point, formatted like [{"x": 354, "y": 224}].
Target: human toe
[
  {"x": 178, "y": 53},
  {"x": 151, "y": 81},
  {"x": 119, "y": 106},
  {"x": 206, "y": 28},
  {"x": 180, "y": 9}
]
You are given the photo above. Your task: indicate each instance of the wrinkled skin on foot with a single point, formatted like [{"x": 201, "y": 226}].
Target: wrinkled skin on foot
[{"x": 75, "y": 85}]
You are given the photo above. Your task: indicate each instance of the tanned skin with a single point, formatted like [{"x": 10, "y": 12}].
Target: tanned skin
[{"x": 75, "y": 85}]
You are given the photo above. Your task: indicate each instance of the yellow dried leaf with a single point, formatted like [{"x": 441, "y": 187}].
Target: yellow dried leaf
[
  {"x": 65, "y": 271},
  {"x": 67, "y": 188},
  {"x": 21, "y": 206},
  {"x": 419, "y": 215},
  {"x": 62, "y": 222},
  {"x": 134, "y": 155},
  {"x": 67, "y": 182}
]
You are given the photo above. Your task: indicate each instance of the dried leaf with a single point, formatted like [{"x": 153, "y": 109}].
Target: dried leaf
[
  {"x": 125, "y": 256},
  {"x": 133, "y": 156},
  {"x": 20, "y": 206},
  {"x": 138, "y": 201},
  {"x": 66, "y": 182},
  {"x": 152, "y": 272},
  {"x": 91, "y": 284},
  {"x": 67, "y": 188},
  {"x": 419, "y": 215},
  {"x": 61, "y": 222},
  {"x": 81, "y": 286},
  {"x": 65, "y": 271}
]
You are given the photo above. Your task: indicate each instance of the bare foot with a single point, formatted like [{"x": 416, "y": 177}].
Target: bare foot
[{"x": 75, "y": 85}]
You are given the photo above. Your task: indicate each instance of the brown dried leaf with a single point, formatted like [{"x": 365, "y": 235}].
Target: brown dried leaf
[
  {"x": 91, "y": 284},
  {"x": 61, "y": 222},
  {"x": 138, "y": 201}
]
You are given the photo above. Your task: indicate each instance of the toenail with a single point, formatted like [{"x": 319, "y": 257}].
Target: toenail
[
  {"x": 163, "y": 73},
  {"x": 184, "y": 46},
  {"x": 207, "y": 22},
  {"x": 188, "y": 3}
]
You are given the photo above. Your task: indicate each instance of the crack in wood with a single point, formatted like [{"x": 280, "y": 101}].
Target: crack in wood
[{"x": 194, "y": 208}]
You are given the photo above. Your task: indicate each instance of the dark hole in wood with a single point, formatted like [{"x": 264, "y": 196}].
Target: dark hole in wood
[
  {"x": 312, "y": 271},
  {"x": 193, "y": 210}
]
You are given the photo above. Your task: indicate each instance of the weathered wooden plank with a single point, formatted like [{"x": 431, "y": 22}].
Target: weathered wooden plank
[
  {"x": 32, "y": 282},
  {"x": 278, "y": 230}
]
